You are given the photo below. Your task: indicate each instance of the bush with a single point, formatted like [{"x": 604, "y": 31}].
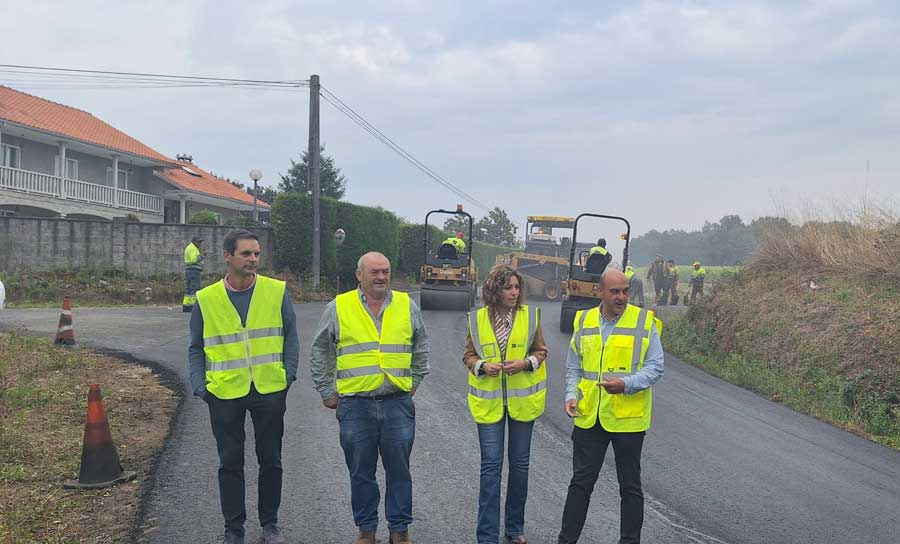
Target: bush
[
  {"x": 204, "y": 217},
  {"x": 486, "y": 255},
  {"x": 242, "y": 221},
  {"x": 367, "y": 229},
  {"x": 412, "y": 246}
]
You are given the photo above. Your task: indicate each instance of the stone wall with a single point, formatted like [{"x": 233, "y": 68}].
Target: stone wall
[{"x": 142, "y": 249}]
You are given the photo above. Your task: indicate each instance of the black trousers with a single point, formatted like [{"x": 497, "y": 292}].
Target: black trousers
[
  {"x": 588, "y": 449},
  {"x": 227, "y": 418}
]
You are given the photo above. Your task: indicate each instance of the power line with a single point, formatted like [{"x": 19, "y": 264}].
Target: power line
[
  {"x": 46, "y": 77},
  {"x": 85, "y": 73},
  {"x": 350, "y": 113}
]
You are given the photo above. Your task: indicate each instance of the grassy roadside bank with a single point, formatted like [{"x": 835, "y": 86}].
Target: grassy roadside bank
[
  {"x": 824, "y": 344},
  {"x": 117, "y": 288},
  {"x": 43, "y": 397}
]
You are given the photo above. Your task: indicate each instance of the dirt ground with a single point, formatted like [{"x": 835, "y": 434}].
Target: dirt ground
[{"x": 43, "y": 399}]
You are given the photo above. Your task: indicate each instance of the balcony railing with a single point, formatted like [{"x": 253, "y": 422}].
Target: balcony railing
[{"x": 93, "y": 193}]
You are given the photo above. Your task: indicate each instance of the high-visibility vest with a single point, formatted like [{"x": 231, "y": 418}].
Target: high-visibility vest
[
  {"x": 698, "y": 273},
  {"x": 237, "y": 355},
  {"x": 192, "y": 257},
  {"x": 525, "y": 392},
  {"x": 365, "y": 357},
  {"x": 621, "y": 355},
  {"x": 598, "y": 249},
  {"x": 629, "y": 273}
]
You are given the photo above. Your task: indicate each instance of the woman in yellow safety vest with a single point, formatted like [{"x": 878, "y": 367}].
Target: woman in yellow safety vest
[{"x": 505, "y": 356}]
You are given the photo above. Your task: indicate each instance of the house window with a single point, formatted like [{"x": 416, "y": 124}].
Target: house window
[
  {"x": 71, "y": 168},
  {"x": 123, "y": 178},
  {"x": 11, "y": 156}
]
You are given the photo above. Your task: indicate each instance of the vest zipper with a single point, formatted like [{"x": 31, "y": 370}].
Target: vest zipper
[{"x": 247, "y": 351}]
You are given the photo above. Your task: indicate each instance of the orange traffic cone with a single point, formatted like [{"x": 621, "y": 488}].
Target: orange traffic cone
[
  {"x": 100, "y": 466},
  {"x": 65, "y": 332}
]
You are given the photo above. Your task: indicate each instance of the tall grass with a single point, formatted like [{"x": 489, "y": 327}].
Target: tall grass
[{"x": 865, "y": 249}]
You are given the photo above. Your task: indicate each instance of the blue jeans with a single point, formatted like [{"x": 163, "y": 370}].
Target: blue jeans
[
  {"x": 491, "y": 436},
  {"x": 369, "y": 427}
]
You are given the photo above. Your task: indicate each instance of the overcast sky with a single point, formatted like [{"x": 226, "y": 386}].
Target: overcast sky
[{"x": 669, "y": 113}]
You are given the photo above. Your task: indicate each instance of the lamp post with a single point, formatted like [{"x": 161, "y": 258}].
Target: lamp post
[
  {"x": 255, "y": 175},
  {"x": 339, "y": 237}
]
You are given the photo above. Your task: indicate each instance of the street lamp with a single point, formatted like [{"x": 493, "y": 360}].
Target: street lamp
[{"x": 255, "y": 175}]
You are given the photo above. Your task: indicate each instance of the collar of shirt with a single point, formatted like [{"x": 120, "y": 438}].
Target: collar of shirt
[
  {"x": 605, "y": 321},
  {"x": 233, "y": 290},
  {"x": 506, "y": 319},
  {"x": 365, "y": 300}
]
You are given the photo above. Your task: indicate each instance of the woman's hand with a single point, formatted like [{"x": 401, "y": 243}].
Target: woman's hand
[
  {"x": 492, "y": 369},
  {"x": 515, "y": 366}
]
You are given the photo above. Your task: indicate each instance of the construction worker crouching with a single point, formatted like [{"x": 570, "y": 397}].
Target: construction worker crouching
[
  {"x": 698, "y": 277},
  {"x": 193, "y": 267},
  {"x": 635, "y": 287}
]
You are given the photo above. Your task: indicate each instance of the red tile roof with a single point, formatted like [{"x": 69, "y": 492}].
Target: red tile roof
[
  {"x": 207, "y": 183},
  {"x": 41, "y": 114},
  {"x": 34, "y": 112}
]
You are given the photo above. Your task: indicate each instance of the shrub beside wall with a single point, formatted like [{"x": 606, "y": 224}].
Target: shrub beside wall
[{"x": 367, "y": 229}]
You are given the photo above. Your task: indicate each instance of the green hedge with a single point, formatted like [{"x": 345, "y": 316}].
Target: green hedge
[
  {"x": 486, "y": 255},
  {"x": 412, "y": 244},
  {"x": 367, "y": 229}
]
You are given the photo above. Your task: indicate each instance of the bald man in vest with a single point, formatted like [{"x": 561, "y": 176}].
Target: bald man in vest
[
  {"x": 369, "y": 354},
  {"x": 243, "y": 356},
  {"x": 608, "y": 395}
]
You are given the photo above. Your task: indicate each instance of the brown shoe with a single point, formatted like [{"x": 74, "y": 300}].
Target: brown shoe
[
  {"x": 515, "y": 540},
  {"x": 399, "y": 538},
  {"x": 365, "y": 537}
]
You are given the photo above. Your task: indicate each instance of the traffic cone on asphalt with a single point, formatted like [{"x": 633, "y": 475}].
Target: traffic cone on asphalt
[
  {"x": 100, "y": 466},
  {"x": 65, "y": 332}
]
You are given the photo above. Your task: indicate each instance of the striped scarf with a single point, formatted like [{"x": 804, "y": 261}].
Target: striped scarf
[{"x": 502, "y": 328}]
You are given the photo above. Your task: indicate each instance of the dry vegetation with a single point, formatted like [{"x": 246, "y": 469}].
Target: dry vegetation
[
  {"x": 811, "y": 322},
  {"x": 43, "y": 397}
]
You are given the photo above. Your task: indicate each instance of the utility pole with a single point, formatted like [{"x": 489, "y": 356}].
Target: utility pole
[{"x": 312, "y": 174}]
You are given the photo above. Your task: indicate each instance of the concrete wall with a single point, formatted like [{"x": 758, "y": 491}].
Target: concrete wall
[{"x": 139, "y": 248}]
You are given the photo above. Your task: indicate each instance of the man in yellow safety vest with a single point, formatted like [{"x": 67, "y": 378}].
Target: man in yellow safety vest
[
  {"x": 193, "y": 267},
  {"x": 243, "y": 356},
  {"x": 614, "y": 358},
  {"x": 369, "y": 354}
]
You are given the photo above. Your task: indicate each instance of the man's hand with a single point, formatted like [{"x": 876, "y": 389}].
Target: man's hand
[
  {"x": 613, "y": 386},
  {"x": 331, "y": 402},
  {"x": 515, "y": 366},
  {"x": 571, "y": 407},
  {"x": 492, "y": 369}
]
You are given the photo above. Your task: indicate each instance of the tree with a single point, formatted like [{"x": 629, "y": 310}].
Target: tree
[
  {"x": 331, "y": 182},
  {"x": 496, "y": 228},
  {"x": 266, "y": 194},
  {"x": 457, "y": 223}
]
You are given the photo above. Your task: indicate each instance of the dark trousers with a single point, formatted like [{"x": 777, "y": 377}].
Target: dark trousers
[
  {"x": 227, "y": 418},
  {"x": 369, "y": 427},
  {"x": 192, "y": 284},
  {"x": 588, "y": 449}
]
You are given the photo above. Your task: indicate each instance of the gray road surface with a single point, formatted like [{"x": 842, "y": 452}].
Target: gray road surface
[{"x": 720, "y": 464}]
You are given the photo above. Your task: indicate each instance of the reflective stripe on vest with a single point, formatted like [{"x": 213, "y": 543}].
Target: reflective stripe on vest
[
  {"x": 621, "y": 355},
  {"x": 365, "y": 357},
  {"x": 599, "y": 249},
  {"x": 237, "y": 355},
  {"x": 523, "y": 393}
]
